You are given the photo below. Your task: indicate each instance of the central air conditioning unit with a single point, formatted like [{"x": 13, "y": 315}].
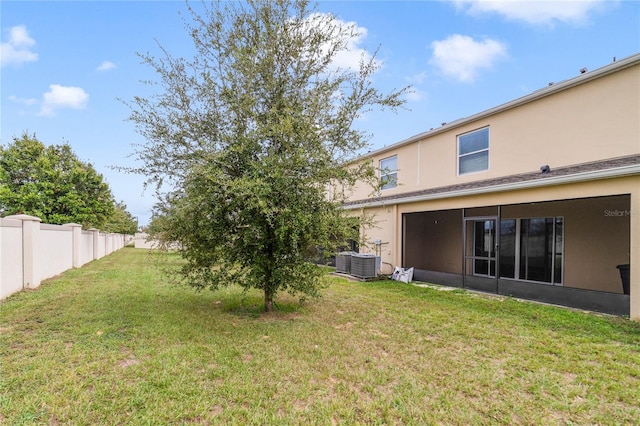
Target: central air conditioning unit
[
  {"x": 343, "y": 262},
  {"x": 365, "y": 265}
]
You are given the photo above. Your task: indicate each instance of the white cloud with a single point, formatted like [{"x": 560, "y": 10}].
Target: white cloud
[
  {"x": 540, "y": 12},
  {"x": 350, "y": 57},
  {"x": 462, "y": 57},
  {"x": 18, "y": 49},
  {"x": 23, "y": 101},
  {"x": 59, "y": 97},
  {"x": 353, "y": 52},
  {"x": 106, "y": 66},
  {"x": 415, "y": 94},
  {"x": 417, "y": 78}
]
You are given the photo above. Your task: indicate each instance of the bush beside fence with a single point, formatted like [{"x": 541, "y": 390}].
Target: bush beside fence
[{"x": 31, "y": 251}]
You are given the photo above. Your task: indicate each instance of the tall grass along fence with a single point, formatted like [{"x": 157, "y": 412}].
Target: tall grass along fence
[{"x": 31, "y": 251}]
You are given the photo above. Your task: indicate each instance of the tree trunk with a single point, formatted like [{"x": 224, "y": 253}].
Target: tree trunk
[
  {"x": 269, "y": 286},
  {"x": 268, "y": 300}
]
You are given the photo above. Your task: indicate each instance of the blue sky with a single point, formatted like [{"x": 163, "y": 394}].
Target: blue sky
[{"x": 66, "y": 64}]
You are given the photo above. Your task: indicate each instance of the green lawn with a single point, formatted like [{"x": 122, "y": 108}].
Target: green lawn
[{"x": 115, "y": 343}]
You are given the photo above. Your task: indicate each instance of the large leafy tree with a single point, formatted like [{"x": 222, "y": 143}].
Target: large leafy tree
[
  {"x": 121, "y": 221},
  {"x": 253, "y": 134},
  {"x": 50, "y": 182}
]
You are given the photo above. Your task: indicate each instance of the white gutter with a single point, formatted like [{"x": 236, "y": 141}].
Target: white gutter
[{"x": 633, "y": 169}]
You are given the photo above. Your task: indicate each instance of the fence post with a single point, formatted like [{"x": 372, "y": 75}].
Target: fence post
[
  {"x": 76, "y": 230},
  {"x": 30, "y": 240}
]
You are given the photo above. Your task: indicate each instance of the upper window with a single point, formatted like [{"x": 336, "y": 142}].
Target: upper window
[
  {"x": 473, "y": 151},
  {"x": 389, "y": 173}
]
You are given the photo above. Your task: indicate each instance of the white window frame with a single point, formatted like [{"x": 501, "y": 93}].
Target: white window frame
[
  {"x": 390, "y": 174},
  {"x": 467, "y": 154}
]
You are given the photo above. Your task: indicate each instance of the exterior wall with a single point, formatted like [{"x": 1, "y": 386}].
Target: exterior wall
[
  {"x": 583, "y": 123},
  {"x": 108, "y": 243},
  {"x": 31, "y": 252},
  {"x": 384, "y": 231},
  {"x": 102, "y": 245},
  {"x": 10, "y": 257},
  {"x": 142, "y": 242},
  {"x": 55, "y": 249},
  {"x": 86, "y": 247}
]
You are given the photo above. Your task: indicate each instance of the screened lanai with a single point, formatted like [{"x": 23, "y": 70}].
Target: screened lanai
[{"x": 569, "y": 252}]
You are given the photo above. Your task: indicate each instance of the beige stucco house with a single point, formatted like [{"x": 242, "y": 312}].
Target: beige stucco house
[{"x": 536, "y": 198}]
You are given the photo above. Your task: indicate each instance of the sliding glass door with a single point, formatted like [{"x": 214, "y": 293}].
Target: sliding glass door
[
  {"x": 532, "y": 249},
  {"x": 527, "y": 249}
]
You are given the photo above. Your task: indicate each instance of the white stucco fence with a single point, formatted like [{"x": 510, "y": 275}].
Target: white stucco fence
[
  {"x": 31, "y": 251},
  {"x": 142, "y": 240}
]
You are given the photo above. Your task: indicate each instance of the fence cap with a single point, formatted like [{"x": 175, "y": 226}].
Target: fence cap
[
  {"x": 24, "y": 217},
  {"x": 73, "y": 225}
]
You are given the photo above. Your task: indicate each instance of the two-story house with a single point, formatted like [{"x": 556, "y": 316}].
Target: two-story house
[{"x": 538, "y": 198}]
